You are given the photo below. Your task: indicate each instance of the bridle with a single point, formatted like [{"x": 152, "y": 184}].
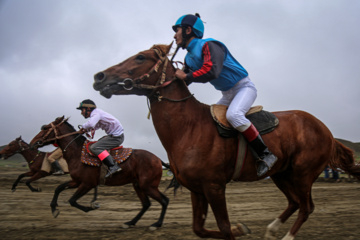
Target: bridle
[
  {"x": 22, "y": 148},
  {"x": 161, "y": 83},
  {"x": 57, "y": 136}
]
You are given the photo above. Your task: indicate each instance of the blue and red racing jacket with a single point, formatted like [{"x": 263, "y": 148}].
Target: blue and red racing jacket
[{"x": 209, "y": 60}]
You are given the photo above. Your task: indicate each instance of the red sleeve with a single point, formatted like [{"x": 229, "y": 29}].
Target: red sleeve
[{"x": 213, "y": 59}]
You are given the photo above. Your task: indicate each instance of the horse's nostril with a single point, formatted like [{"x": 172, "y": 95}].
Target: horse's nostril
[{"x": 100, "y": 77}]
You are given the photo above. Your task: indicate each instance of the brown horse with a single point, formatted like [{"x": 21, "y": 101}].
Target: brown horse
[
  {"x": 143, "y": 169},
  {"x": 34, "y": 159},
  {"x": 203, "y": 161}
]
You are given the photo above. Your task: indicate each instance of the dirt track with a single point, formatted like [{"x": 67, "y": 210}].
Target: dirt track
[{"x": 27, "y": 215}]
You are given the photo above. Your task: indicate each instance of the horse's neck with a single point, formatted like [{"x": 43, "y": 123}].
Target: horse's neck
[
  {"x": 30, "y": 155},
  {"x": 171, "y": 117},
  {"x": 71, "y": 148}
]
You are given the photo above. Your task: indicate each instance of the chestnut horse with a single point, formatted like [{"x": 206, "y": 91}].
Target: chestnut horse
[
  {"x": 203, "y": 161},
  {"x": 143, "y": 169},
  {"x": 34, "y": 159}
]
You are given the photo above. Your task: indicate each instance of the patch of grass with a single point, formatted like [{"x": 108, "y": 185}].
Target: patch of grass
[{"x": 14, "y": 161}]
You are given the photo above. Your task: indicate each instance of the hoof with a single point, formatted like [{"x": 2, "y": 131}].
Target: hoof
[
  {"x": 270, "y": 235},
  {"x": 125, "y": 226},
  {"x": 95, "y": 205},
  {"x": 56, "y": 213},
  {"x": 13, "y": 190},
  {"x": 152, "y": 228},
  {"x": 240, "y": 230}
]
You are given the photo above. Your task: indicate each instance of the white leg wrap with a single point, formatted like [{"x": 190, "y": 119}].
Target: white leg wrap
[
  {"x": 288, "y": 236},
  {"x": 272, "y": 229}
]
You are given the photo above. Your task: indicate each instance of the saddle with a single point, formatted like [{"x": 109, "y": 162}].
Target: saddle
[
  {"x": 119, "y": 154},
  {"x": 264, "y": 121}
]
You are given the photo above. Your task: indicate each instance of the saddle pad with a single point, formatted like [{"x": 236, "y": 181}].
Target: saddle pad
[{"x": 119, "y": 155}]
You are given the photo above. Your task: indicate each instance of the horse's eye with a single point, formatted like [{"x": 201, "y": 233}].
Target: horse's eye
[{"x": 140, "y": 58}]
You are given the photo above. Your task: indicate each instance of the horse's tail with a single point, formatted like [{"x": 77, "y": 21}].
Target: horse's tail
[
  {"x": 173, "y": 183},
  {"x": 167, "y": 166},
  {"x": 343, "y": 158}
]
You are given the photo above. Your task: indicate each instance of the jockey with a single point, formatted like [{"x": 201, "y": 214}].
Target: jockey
[
  {"x": 113, "y": 128},
  {"x": 209, "y": 60}
]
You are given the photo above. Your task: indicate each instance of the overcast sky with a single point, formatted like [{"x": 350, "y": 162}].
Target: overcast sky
[{"x": 302, "y": 54}]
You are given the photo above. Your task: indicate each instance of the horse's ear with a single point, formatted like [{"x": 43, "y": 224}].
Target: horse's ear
[
  {"x": 66, "y": 119},
  {"x": 169, "y": 47},
  {"x": 59, "y": 119}
]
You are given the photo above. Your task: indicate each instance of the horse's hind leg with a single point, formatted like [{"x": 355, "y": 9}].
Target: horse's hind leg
[
  {"x": 95, "y": 194},
  {"x": 299, "y": 197},
  {"x": 93, "y": 203},
  {"x": 163, "y": 200}
]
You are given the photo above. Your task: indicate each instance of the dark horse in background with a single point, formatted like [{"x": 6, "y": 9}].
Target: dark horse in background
[
  {"x": 34, "y": 159},
  {"x": 143, "y": 169},
  {"x": 203, "y": 161}
]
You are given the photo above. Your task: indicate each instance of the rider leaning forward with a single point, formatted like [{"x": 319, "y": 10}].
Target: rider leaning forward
[
  {"x": 113, "y": 128},
  {"x": 209, "y": 60}
]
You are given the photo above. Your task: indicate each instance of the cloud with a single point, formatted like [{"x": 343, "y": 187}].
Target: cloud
[{"x": 301, "y": 55}]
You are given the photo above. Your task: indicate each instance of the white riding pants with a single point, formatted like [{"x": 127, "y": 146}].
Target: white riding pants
[{"x": 239, "y": 99}]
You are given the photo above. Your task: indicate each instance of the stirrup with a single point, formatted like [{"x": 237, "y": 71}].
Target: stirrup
[
  {"x": 111, "y": 171},
  {"x": 271, "y": 160},
  {"x": 262, "y": 173}
]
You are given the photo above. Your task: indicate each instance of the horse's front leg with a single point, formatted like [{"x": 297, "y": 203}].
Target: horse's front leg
[
  {"x": 21, "y": 176},
  {"x": 145, "y": 203},
  {"x": 58, "y": 190},
  {"x": 215, "y": 196},
  {"x": 200, "y": 209},
  {"x": 81, "y": 191}
]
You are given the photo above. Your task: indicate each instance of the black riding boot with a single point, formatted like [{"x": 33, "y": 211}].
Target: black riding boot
[
  {"x": 266, "y": 158},
  {"x": 57, "y": 169},
  {"x": 113, "y": 167}
]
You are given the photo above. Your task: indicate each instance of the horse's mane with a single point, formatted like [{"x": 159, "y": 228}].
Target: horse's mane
[
  {"x": 80, "y": 140},
  {"x": 70, "y": 126}
]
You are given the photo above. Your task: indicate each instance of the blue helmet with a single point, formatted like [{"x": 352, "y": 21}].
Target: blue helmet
[{"x": 193, "y": 21}]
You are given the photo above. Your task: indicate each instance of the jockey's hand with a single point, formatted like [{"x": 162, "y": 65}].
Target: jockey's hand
[
  {"x": 82, "y": 130},
  {"x": 180, "y": 74}
]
